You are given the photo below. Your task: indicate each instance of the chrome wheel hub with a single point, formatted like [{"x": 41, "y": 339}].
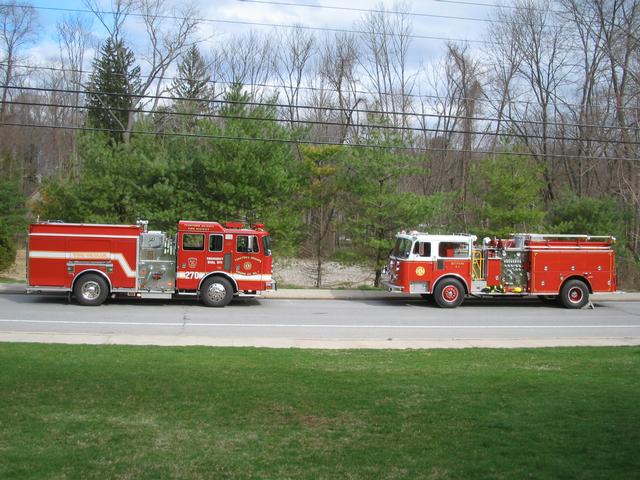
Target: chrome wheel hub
[
  {"x": 90, "y": 290},
  {"x": 216, "y": 292}
]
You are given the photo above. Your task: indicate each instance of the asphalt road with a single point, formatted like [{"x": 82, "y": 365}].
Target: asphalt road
[{"x": 392, "y": 323}]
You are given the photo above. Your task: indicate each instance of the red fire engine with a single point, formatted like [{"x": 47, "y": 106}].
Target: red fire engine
[
  {"x": 204, "y": 259},
  {"x": 449, "y": 267}
]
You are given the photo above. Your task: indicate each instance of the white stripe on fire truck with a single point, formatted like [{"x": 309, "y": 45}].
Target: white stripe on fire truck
[
  {"x": 118, "y": 257},
  {"x": 266, "y": 278},
  {"x": 80, "y": 235},
  {"x": 189, "y": 275}
]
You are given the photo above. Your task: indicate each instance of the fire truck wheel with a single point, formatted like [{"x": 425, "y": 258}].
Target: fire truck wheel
[
  {"x": 216, "y": 292},
  {"x": 449, "y": 293},
  {"x": 91, "y": 290},
  {"x": 574, "y": 294}
]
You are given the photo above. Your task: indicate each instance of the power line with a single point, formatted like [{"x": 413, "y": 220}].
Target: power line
[
  {"x": 316, "y": 142},
  {"x": 370, "y": 10},
  {"x": 491, "y": 5},
  {"x": 400, "y": 12},
  {"x": 407, "y": 13},
  {"x": 318, "y": 108},
  {"x": 490, "y": 101},
  {"x": 324, "y": 123},
  {"x": 258, "y": 24}
]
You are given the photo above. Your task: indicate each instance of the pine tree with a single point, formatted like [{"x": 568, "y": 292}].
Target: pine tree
[
  {"x": 113, "y": 85},
  {"x": 192, "y": 82}
]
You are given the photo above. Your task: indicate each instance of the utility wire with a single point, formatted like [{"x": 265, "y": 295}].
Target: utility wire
[
  {"x": 491, "y": 5},
  {"x": 322, "y": 123},
  {"x": 258, "y": 24},
  {"x": 318, "y": 142},
  {"x": 316, "y": 108},
  {"x": 370, "y": 10},
  {"x": 404, "y": 13},
  {"x": 491, "y": 101}
]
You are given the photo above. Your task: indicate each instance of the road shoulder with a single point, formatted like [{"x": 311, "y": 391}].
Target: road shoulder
[{"x": 335, "y": 344}]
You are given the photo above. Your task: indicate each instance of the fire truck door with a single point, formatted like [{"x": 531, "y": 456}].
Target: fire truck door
[
  {"x": 426, "y": 260},
  {"x": 191, "y": 260},
  {"x": 455, "y": 257},
  {"x": 216, "y": 258},
  {"x": 247, "y": 262}
]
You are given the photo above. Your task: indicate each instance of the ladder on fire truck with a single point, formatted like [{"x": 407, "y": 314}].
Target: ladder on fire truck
[{"x": 565, "y": 236}]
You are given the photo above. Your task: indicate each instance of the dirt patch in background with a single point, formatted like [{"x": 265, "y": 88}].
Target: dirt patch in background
[
  {"x": 287, "y": 271},
  {"x": 628, "y": 274},
  {"x": 296, "y": 272},
  {"x": 19, "y": 270}
]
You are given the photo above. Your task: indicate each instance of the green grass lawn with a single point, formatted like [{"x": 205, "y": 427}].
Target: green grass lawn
[
  {"x": 141, "y": 412},
  {"x": 9, "y": 280}
]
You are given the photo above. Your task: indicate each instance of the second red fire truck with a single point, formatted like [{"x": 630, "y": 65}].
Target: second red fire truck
[
  {"x": 449, "y": 268},
  {"x": 207, "y": 260}
]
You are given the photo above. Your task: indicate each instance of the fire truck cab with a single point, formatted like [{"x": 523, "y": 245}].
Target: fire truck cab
[
  {"x": 208, "y": 260},
  {"x": 448, "y": 268}
]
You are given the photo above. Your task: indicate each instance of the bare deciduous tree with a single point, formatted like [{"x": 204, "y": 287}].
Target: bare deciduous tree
[
  {"x": 245, "y": 60},
  {"x": 168, "y": 39},
  {"x": 467, "y": 84},
  {"x": 385, "y": 56},
  {"x": 168, "y": 34},
  {"x": 544, "y": 68},
  {"x": 290, "y": 61},
  {"x": 619, "y": 21},
  {"x": 504, "y": 60},
  {"x": 18, "y": 23},
  {"x": 338, "y": 66},
  {"x": 74, "y": 38},
  {"x": 112, "y": 19}
]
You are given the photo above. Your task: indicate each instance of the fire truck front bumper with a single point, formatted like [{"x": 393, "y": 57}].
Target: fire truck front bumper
[
  {"x": 387, "y": 281},
  {"x": 391, "y": 286}
]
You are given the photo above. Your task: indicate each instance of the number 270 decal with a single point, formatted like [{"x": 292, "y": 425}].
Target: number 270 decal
[{"x": 191, "y": 275}]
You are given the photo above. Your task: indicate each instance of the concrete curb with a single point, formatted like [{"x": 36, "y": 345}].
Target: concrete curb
[
  {"x": 317, "y": 294},
  {"x": 330, "y": 344},
  {"x": 14, "y": 288}
]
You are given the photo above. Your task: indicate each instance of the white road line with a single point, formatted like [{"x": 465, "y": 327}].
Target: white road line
[{"x": 294, "y": 325}]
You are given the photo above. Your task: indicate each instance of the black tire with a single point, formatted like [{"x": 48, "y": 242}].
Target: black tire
[
  {"x": 449, "y": 293},
  {"x": 91, "y": 290},
  {"x": 216, "y": 292},
  {"x": 574, "y": 294}
]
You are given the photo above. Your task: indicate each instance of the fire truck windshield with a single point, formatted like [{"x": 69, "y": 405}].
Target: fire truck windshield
[
  {"x": 266, "y": 245},
  {"x": 402, "y": 248}
]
